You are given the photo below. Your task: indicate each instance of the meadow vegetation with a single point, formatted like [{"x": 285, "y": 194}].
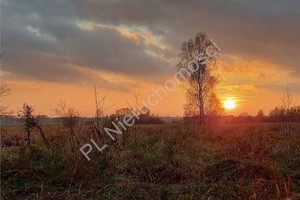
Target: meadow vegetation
[{"x": 166, "y": 161}]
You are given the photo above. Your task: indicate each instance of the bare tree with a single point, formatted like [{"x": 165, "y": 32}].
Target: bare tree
[
  {"x": 121, "y": 113},
  {"x": 4, "y": 91},
  {"x": 31, "y": 122},
  {"x": 202, "y": 81},
  {"x": 287, "y": 103},
  {"x": 99, "y": 112},
  {"x": 213, "y": 108},
  {"x": 260, "y": 115},
  {"x": 101, "y": 108},
  {"x": 71, "y": 122},
  {"x": 136, "y": 97}
]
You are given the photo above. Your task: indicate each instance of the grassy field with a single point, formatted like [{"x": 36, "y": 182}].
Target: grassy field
[{"x": 171, "y": 161}]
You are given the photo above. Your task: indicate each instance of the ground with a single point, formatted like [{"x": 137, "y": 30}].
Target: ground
[{"x": 169, "y": 161}]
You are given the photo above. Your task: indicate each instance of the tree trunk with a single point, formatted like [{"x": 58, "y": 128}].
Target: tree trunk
[
  {"x": 28, "y": 136},
  {"x": 201, "y": 105}
]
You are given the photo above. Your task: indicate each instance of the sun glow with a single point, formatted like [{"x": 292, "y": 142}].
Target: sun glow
[{"x": 229, "y": 104}]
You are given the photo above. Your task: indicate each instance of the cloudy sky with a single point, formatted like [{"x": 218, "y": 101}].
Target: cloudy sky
[{"x": 60, "y": 49}]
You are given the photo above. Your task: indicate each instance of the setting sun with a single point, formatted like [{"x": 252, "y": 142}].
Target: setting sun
[{"x": 229, "y": 104}]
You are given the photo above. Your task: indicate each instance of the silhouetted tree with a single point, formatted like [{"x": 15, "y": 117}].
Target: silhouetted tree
[
  {"x": 260, "y": 115},
  {"x": 213, "y": 108},
  {"x": 201, "y": 82},
  {"x": 4, "y": 91},
  {"x": 101, "y": 108},
  {"x": 124, "y": 111},
  {"x": 71, "y": 122},
  {"x": 31, "y": 122},
  {"x": 288, "y": 102}
]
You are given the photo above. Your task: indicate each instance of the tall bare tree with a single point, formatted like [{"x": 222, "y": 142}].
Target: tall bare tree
[
  {"x": 4, "y": 91},
  {"x": 213, "y": 108},
  {"x": 136, "y": 96},
  {"x": 101, "y": 108},
  {"x": 201, "y": 82},
  {"x": 287, "y": 103},
  {"x": 71, "y": 122}
]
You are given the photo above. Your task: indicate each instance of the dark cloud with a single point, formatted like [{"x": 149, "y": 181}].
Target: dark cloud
[
  {"x": 43, "y": 39},
  {"x": 45, "y": 45},
  {"x": 266, "y": 30}
]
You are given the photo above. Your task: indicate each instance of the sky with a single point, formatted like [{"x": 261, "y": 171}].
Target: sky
[{"x": 60, "y": 49}]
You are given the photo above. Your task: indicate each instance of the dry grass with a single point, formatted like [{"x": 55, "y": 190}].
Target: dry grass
[{"x": 244, "y": 161}]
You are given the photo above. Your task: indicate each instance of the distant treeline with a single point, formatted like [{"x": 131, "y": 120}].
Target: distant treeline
[
  {"x": 278, "y": 114},
  {"x": 144, "y": 119},
  {"x": 46, "y": 120}
]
